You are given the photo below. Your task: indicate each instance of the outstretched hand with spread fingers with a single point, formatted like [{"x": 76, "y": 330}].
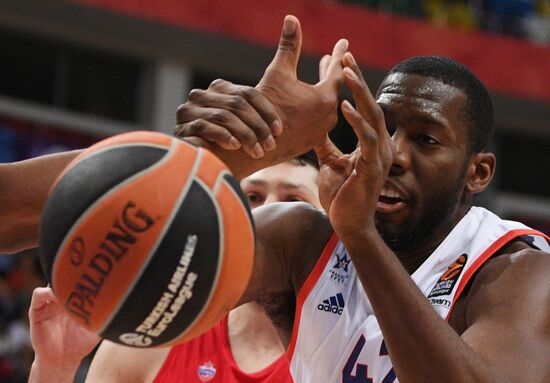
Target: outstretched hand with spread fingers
[
  {"x": 281, "y": 117},
  {"x": 349, "y": 184}
]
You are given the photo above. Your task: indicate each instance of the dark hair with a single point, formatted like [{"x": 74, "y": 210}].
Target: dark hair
[
  {"x": 478, "y": 110},
  {"x": 308, "y": 158}
]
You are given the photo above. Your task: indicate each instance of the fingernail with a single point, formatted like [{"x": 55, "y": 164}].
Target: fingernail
[
  {"x": 234, "y": 143},
  {"x": 277, "y": 128},
  {"x": 289, "y": 27},
  {"x": 269, "y": 143},
  {"x": 257, "y": 151},
  {"x": 346, "y": 44}
]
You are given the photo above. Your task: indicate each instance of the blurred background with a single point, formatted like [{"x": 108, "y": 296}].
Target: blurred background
[{"x": 75, "y": 71}]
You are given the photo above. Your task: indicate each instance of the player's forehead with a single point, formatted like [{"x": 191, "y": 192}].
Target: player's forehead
[
  {"x": 412, "y": 93},
  {"x": 287, "y": 173}
]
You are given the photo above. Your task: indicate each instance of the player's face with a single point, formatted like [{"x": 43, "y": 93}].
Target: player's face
[
  {"x": 425, "y": 187},
  {"x": 288, "y": 181}
]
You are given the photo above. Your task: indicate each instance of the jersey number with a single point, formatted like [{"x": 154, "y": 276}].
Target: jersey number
[{"x": 361, "y": 370}]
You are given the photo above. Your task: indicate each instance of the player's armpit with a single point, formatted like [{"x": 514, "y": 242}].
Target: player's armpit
[
  {"x": 289, "y": 239},
  {"x": 507, "y": 316}
]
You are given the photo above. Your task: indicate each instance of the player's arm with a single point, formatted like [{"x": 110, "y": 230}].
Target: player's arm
[
  {"x": 282, "y": 117},
  {"x": 25, "y": 186},
  {"x": 507, "y": 311},
  {"x": 289, "y": 240},
  {"x": 114, "y": 363}
]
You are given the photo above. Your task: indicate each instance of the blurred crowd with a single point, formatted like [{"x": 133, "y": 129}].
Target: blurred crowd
[
  {"x": 529, "y": 19},
  {"x": 19, "y": 276}
]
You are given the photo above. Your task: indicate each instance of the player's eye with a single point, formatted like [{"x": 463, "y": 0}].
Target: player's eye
[
  {"x": 254, "y": 199},
  {"x": 427, "y": 140}
]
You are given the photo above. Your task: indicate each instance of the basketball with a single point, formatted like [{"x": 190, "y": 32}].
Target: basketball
[{"x": 147, "y": 240}]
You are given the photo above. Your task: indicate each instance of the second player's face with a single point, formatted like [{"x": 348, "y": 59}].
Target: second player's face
[{"x": 286, "y": 182}]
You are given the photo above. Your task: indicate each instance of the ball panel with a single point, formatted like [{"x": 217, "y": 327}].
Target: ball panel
[
  {"x": 210, "y": 169},
  {"x": 177, "y": 282},
  {"x": 63, "y": 209},
  {"x": 117, "y": 235},
  {"x": 237, "y": 263}
]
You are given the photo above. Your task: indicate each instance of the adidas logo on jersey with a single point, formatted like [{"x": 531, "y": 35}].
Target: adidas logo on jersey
[{"x": 335, "y": 304}]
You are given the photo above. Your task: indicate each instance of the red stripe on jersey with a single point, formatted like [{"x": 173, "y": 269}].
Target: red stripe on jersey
[
  {"x": 486, "y": 255},
  {"x": 306, "y": 288}
]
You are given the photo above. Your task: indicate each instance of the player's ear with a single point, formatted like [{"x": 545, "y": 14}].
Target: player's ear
[{"x": 480, "y": 171}]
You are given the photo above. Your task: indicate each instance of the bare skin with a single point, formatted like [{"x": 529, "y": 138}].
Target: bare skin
[
  {"x": 499, "y": 332},
  {"x": 428, "y": 144}
]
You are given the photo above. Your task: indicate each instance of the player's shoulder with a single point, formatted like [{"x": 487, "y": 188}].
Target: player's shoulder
[
  {"x": 517, "y": 276},
  {"x": 288, "y": 220}
]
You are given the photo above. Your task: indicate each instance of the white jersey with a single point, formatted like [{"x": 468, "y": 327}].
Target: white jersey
[{"x": 336, "y": 337}]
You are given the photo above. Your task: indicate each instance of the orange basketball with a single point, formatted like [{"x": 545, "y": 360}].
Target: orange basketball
[{"x": 146, "y": 239}]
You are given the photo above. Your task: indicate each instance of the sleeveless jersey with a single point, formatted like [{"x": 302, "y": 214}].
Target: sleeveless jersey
[
  {"x": 336, "y": 337},
  {"x": 208, "y": 358}
]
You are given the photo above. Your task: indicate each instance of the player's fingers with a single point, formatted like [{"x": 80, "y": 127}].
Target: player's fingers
[
  {"x": 290, "y": 45},
  {"x": 366, "y": 134},
  {"x": 201, "y": 103},
  {"x": 333, "y": 76},
  {"x": 327, "y": 151},
  {"x": 210, "y": 124},
  {"x": 208, "y": 131},
  {"x": 366, "y": 105},
  {"x": 42, "y": 298},
  {"x": 251, "y": 104},
  {"x": 323, "y": 66}
]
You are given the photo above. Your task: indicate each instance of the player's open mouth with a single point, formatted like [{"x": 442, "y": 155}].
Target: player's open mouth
[{"x": 391, "y": 199}]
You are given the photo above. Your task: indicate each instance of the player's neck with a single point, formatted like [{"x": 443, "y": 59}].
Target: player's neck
[{"x": 414, "y": 256}]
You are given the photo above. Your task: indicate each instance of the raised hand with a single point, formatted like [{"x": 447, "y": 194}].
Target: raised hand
[
  {"x": 297, "y": 114},
  {"x": 58, "y": 341},
  {"x": 349, "y": 185}
]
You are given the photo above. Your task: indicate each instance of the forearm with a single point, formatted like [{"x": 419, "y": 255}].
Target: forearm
[
  {"x": 25, "y": 186},
  {"x": 41, "y": 373},
  {"x": 422, "y": 346}
]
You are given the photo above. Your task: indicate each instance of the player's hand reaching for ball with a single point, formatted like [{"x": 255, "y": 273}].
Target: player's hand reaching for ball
[
  {"x": 281, "y": 117},
  {"x": 58, "y": 341}
]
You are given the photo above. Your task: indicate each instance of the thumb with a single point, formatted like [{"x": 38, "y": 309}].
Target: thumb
[
  {"x": 326, "y": 151},
  {"x": 290, "y": 44}
]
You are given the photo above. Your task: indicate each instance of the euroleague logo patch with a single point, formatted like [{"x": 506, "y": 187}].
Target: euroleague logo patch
[
  {"x": 206, "y": 372},
  {"x": 339, "y": 272},
  {"x": 447, "y": 281}
]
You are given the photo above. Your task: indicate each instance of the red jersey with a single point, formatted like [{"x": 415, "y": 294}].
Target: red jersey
[{"x": 208, "y": 358}]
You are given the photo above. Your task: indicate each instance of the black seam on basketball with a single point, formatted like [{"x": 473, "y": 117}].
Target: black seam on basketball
[
  {"x": 235, "y": 187},
  {"x": 152, "y": 318},
  {"x": 105, "y": 195},
  {"x": 93, "y": 153},
  {"x": 147, "y": 260},
  {"x": 221, "y": 256},
  {"x": 63, "y": 210}
]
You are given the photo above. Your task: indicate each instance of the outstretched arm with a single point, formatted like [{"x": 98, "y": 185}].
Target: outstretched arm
[{"x": 25, "y": 186}]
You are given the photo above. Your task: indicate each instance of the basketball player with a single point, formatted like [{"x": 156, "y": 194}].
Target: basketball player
[
  {"x": 244, "y": 347},
  {"x": 402, "y": 278}
]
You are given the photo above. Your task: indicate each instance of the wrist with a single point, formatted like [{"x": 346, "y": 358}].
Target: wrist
[{"x": 43, "y": 371}]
